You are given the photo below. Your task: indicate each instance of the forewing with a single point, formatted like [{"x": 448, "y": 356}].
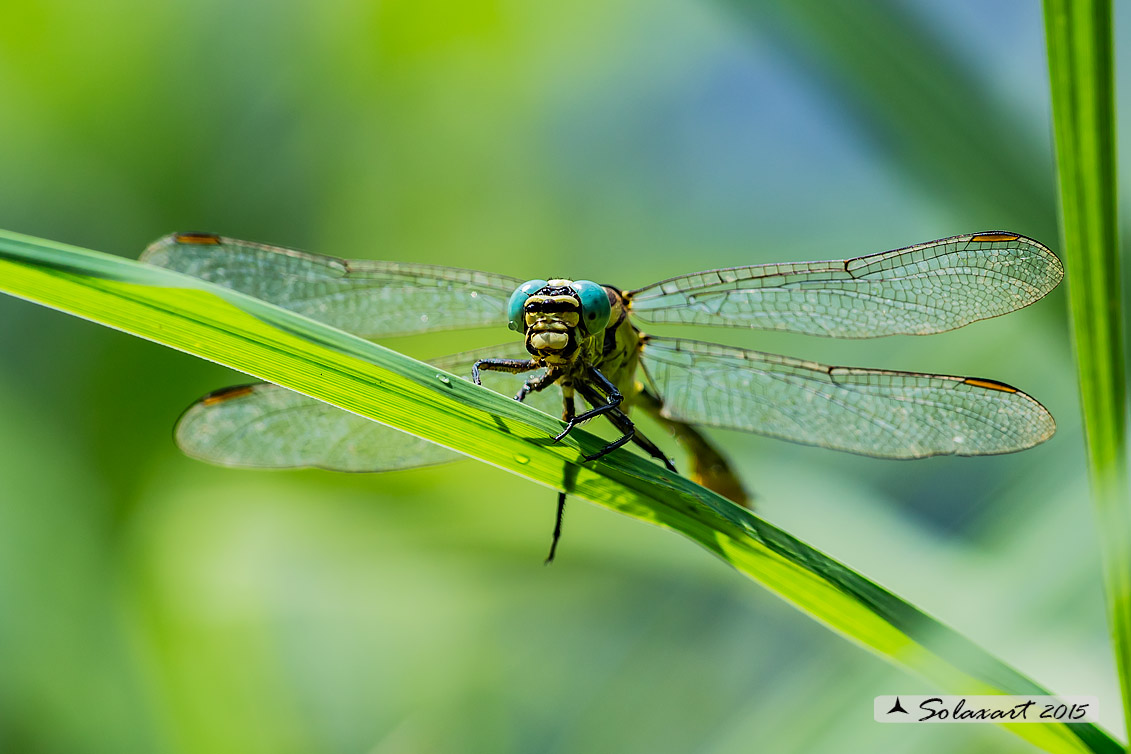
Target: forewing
[
  {"x": 368, "y": 298},
  {"x": 872, "y": 412},
  {"x": 270, "y": 427},
  {"x": 918, "y": 290}
]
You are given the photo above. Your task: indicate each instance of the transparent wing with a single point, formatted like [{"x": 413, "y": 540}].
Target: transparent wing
[
  {"x": 872, "y": 412},
  {"x": 269, "y": 427},
  {"x": 368, "y": 298},
  {"x": 265, "y": 426},
  {"x": 918, "y": 290}
]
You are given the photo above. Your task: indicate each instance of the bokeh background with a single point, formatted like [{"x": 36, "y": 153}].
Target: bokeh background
[{"x": 150, "y": 603}]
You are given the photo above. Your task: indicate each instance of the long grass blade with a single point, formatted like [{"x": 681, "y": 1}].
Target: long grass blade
[
  {"x": 360, "y": 376},
  {"x": 1081, "y": 74}
]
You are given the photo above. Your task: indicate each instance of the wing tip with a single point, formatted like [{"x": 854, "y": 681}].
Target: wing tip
[
  {"x": 1055, "y": 265},
  {"x": 208, "y": 400},
  {"x": 1043, "y": 424}
]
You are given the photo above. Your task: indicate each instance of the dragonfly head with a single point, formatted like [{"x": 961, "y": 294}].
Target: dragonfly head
[{"x": 555, "y": 315}]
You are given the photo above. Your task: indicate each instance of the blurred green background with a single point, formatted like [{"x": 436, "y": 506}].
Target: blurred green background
[{"x": 150, "y": 603}]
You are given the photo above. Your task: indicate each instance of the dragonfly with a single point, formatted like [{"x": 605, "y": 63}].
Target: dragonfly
[{"x": 584, "y": 338}]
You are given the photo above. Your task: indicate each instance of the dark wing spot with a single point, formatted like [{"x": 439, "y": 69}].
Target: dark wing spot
[
  {"x": 226, "y": 394},
  {"x": 203, "y": 239},
  {"x": 995, "y": 237},
  {"x": 990, "y": 384}
]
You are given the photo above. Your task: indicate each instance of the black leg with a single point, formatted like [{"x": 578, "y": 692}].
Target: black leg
[
  {"x": 618, "y": 443},
  {"x": 614, "y": 415},
  {"x": 514, "y": 366},
  {"x": 652, "y": 449},
  {"x": 536, "y": 384},
  {"x": 557, "y": 528},
  {"x": 567, "y": 414},
  {"x": 621, "y": 421},
  {"x": 614, "y": 399}
]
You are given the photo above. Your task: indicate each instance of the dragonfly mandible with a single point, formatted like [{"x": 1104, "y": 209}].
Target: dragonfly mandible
[{"x": 583, "y": 337}]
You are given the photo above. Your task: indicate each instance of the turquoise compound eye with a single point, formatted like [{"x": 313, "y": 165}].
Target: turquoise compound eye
[
  {"x": 595, "y": 307},
  {"x": 518, "y": 300}
]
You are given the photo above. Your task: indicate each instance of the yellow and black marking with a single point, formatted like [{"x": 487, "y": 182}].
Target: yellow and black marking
[
  {"x": 200, "y": 239},
  {"x": 552, "y": 304},
  {"x": 989, "y": 384},
  {"x": 994, "y": 237},
  {"x": 551, "y": 317}
]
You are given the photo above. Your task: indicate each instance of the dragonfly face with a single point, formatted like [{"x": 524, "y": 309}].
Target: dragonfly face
[
  {"x": 583, "y": 338},
  {"x": 557, "y": 317}
]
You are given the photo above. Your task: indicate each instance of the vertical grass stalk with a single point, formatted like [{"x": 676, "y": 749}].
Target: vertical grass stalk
[{"x": 1081, "y": 75}]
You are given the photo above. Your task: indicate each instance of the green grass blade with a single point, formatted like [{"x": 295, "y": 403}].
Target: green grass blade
[
  {"x": 1081, "y": 75},
  {"x": 283, "y": 347}
]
